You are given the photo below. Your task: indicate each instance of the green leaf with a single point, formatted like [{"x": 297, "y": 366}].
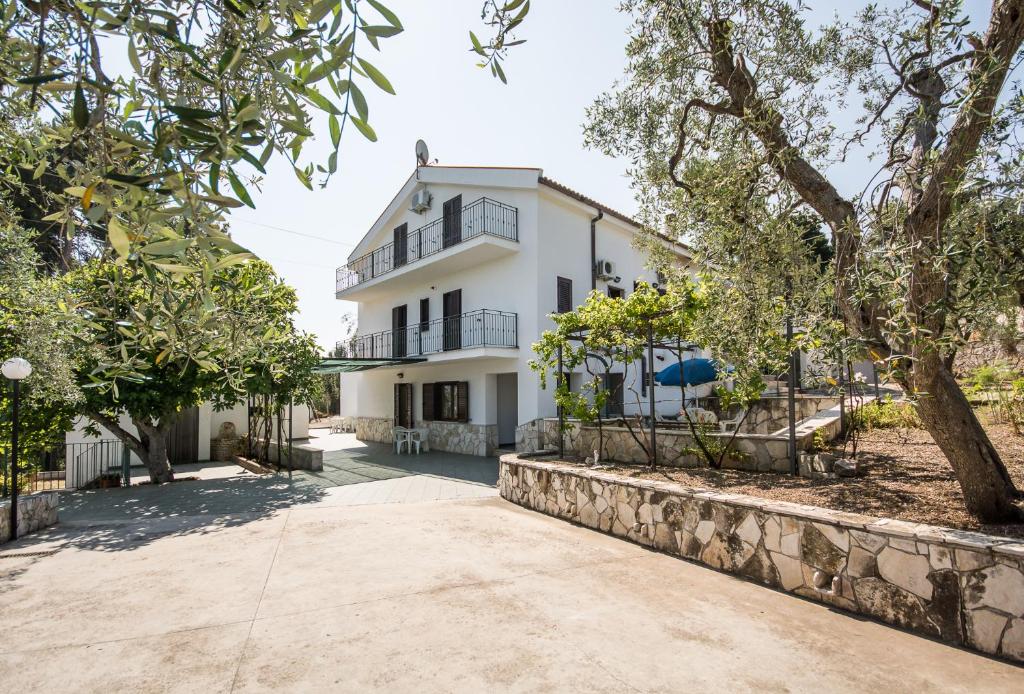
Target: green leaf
[
  {"x": 377, "y": 76},
  {"x": 171, "y": 247},
  {"x": 381, "y": 30},
  {"x": 321, "y": 101},
  {"x": 42, "y": 79},
  {"x": 386, "y": 13},
  {"x": 233, "y": 259},
  {"x": 477, "y": 46},
  {"x": 364, "y": 128},
  {"x": 335, "y": 127},
  {"x": 80, "y": 109},
  {"x": 500, "y": 72},
  {"x": 222, "y": 200},
  {"x": 359, "y": 101},
  {"x": 240, "y": 191},
  {"x": 118, "y": 237},
  {"x": 193, "y": 113}
]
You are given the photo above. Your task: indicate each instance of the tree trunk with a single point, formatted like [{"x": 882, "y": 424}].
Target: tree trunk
[
  {"x": 947, "y": 415},
  {"x": 153, "y": 451}
]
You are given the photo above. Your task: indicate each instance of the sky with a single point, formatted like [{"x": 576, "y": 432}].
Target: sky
[{"x": 466, "y": 117}]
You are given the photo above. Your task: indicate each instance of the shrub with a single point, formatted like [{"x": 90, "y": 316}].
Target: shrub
[{"x": 886, "y": 414}]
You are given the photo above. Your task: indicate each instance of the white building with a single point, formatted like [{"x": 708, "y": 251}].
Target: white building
[{"x": 454, "y": 282}]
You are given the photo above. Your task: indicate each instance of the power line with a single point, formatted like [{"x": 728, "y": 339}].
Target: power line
[{"x": 292, "y": 231}]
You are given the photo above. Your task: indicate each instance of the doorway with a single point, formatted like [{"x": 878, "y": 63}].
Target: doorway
[
  {"x": 403, "y": 405},
  {"x": 451, "y": 310},
  {"x": 183, "y": 438},
  {"x": 508, "y": 409}
]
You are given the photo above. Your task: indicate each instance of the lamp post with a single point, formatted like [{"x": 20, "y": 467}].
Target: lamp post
[{"x": 17, "y": 370}]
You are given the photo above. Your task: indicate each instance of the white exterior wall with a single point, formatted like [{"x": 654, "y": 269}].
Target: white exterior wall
[
  {"x": 554, "y": 240},
  {"x": 208, "y": 427}
]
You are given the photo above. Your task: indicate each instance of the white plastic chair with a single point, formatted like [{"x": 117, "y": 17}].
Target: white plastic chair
[
  {"x": 401, "y": 435},
  {"x": 414, "y": 436}
]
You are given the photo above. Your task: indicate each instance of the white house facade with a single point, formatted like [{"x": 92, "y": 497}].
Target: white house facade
[{"x": 455, "y": 281}]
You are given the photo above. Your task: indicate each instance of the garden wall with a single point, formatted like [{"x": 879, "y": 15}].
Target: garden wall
[
  {"x": 35, "y": 511},
  {"x": 758, "y": 452},
  {"x": 962, "y": 587},
  {"x": 454, "y": 437}
]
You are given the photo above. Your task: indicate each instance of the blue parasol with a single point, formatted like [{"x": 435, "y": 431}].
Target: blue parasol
[{"x": 695, "y": 372}]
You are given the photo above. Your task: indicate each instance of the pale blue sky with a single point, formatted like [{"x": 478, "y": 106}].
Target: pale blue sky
[{"x": 573, "y": 53}]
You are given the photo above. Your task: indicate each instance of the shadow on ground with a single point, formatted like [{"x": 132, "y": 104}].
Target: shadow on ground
[{"x": 131, "y": 517}]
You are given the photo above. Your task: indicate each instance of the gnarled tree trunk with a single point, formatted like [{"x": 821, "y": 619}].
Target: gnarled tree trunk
[
  {"x": 153, "y": 451},
  {"x": 988, "y": 491}
]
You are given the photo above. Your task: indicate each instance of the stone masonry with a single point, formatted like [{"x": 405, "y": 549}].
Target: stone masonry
[
  {"x": 962, "y": 587},
  {"x": 453, "y": 437},
  {"x": 35, "y": 511}
]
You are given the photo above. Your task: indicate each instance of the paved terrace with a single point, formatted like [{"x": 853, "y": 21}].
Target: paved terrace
[{"x": 402, "y": 574}]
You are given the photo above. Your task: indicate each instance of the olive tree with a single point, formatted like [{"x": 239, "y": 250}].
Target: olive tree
[{"x": 730, "y": 102}]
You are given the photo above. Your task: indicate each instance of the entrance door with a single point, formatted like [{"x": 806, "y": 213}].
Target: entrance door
[
  {"x": 403, "y": 405},
  {"x": 452, "y": 232},
  {"x": 613, "y": 383},
  {"x": 399, "y": 316},
  {"x": 183, "y": 438},
  {"x": 452, "y": 312},
  {"x": 508, "y": 408}
]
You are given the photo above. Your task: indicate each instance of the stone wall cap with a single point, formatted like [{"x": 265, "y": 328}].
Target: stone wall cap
[{"x": 883, "y": 526}]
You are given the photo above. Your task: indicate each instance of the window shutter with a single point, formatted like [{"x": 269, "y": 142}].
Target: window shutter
[
  {"x": 398, "y": 406},
  {"x": 462, "y": 401},
  {"x": 564, "y": 295},
  {"x": 428, "y": 402}
]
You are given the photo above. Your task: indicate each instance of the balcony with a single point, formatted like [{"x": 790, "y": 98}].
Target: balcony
[
  {"x": 481, "y": 231},
  {"x": 475, "y": 329}
]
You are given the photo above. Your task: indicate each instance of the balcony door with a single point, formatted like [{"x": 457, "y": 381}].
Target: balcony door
[
  {"x": 452, "y": 312},
  {"x": 452, "y": 231},
  {"x": 401, "y": 245},
  {"x": 399, "y": 316}
]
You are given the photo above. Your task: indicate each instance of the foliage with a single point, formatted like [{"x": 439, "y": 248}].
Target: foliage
[
  {"x": 726, "y": 114},
  {"x": 885, "y": 414},
  {"x": 1000, "y": 388},
  {"x": 33, "y": 326},
  {"x": 614, "y": 333},
  {"x": 215, "y": 341},
  {"x": 502, "y": 18}
]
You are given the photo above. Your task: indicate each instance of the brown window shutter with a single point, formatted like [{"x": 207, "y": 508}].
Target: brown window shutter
[
  {"x": 564, "y": 295},
  {"x": 462, "y": 400},
  {"x": 428, "y": 402}
]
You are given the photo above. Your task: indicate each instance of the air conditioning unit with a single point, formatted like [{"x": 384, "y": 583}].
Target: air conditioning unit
[
  {"x": 605, "y": 269},
  {"x": 421, "y": 201}
]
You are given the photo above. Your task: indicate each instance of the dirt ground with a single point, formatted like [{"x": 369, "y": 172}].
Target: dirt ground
[{"x": 906, "y": 477}]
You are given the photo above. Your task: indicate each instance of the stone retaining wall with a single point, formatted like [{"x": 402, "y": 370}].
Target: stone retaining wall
[
  {"x": 757, "y": 452},
  {"x": 35, "y": 511},
  {"x": 453, "y": 437},
  {"x": 962, "y": 587}
]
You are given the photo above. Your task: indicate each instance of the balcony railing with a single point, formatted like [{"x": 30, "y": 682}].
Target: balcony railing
[
  {"x": 484, "y": 216},
  {"x": 480, "y": 328}
]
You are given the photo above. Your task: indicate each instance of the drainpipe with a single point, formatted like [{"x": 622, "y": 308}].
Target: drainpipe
[{"x": 593, "y": 248}]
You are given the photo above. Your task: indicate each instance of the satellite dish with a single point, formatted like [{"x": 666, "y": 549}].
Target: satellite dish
[{"x": 422, "y": 153}]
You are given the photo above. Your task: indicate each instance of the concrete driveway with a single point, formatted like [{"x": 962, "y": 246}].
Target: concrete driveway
[{"x": 305, "y": 591}]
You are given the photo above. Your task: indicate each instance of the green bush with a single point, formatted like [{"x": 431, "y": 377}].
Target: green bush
[{"x": 886, "y": 414}]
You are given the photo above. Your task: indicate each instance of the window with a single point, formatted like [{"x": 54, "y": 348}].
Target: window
[
  {"x": 447, "y": 401},
  {"x": 564, "y": 295},
  {"x": 616, "y": 292}
]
